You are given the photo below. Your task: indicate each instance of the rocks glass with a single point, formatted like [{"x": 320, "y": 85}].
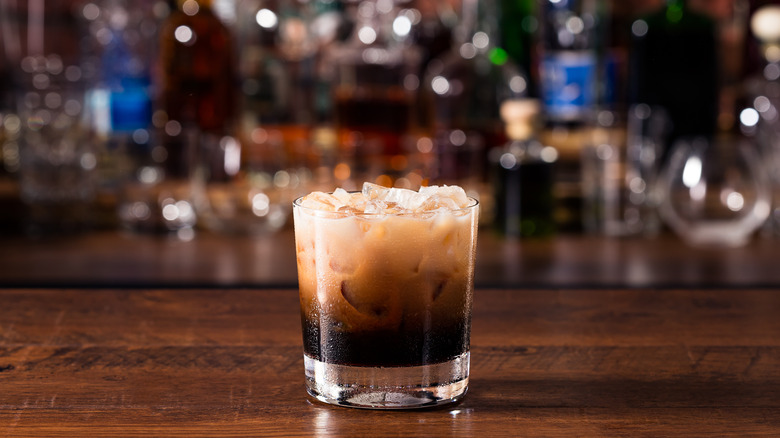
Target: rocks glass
[{"x": 386, "y": 285}]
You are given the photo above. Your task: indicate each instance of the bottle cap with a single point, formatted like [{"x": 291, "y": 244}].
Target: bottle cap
[{"x": 519, "y": 116}]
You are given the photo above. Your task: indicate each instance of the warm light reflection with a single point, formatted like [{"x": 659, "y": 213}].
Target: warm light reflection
[
  {"x": 342, "y": 171},
  {"x": 468, "y": 51},
  {"x": 440, "y": 85},
  {"x": 185, "y": 234},
  {"x": 88, "y": 161},
  {"x": 261, "y": 204},
  {"x": 549, "y": 154},
  {"x": 190, "y": 7},
  {"x": 90, "y": 11},
  {"x": 480, "y": 40},
  {"x": 575, "y": 25},
  {"x": 266, "y": 18},
  {"x": 424, "y": 145},
  {"x": 457, "y": 137},
  {"x": 518, "y": 84},
  {"x": 749, "y": 117},
  {"x": 148, "y": 175},
  {"x": 183, "y": 34},
  {"x": 692, "y": 172},
  {"x": 508, "y": 161},
  {"x": 384, "y": 180},
  {"x": 232, "y": 154},
  {"x": 367, "y": 35},
  {"x": 173, "y": 128},
  {"x": 402, "y": 25},
  {"x": 772, "y": 71},
  {"x": 762, "y": 103},
  {"x": 735, "y": 201},
  {"x": 399, "y": 162}
]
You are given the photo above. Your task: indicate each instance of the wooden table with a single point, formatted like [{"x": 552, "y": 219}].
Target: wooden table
[{"x": 545, "y": 362}]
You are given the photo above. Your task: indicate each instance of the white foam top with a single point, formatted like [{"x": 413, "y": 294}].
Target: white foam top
[{"x": 376, "y": 199}]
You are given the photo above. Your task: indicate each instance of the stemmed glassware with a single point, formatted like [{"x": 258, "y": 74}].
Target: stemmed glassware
[{"x": 714, "y": 192}]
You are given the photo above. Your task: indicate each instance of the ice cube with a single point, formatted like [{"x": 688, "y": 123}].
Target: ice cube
[
  {"x": 340, "y": 200},
  {"x": 384, "y": 200},
  {"x": 454, "y": 193},
  {"x": 375, "y": 207},
  {"x": 374, "y": 191},
  {"x": 343, "y": 196},
  {"x": 321, "y": 201},
  {"x": 392, "y": 200},
  {"x": 437, "y": 203}
]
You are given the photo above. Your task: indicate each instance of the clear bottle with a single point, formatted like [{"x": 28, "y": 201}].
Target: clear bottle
[
  {"x": 619, "y": 172},
  {"x": 464, "y": 89}
]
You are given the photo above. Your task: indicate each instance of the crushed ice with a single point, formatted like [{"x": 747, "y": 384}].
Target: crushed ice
[{"x": 376, "y": 199}]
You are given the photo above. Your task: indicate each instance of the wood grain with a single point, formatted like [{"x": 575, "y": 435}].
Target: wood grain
[{"x": 578, "y": 362}]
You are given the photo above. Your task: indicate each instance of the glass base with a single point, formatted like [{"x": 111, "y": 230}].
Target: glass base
[{"x": 388, "y": 387}]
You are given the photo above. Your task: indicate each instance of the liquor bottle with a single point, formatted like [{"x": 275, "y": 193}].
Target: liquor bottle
[
  {"x": 568, "y": 59},
  {"x": 568, "y": 50},
  {"x": 276, "y": 64},
  {"x": 464, "y": 89},
  {"x": 197, "y": 101},
  {"x": 674, "y": 65},
  {"x": 518, "y": 25},
  {"x": 197, "y": 68},
  {"x": 373, "y": 78},
  {"x": 120, "y": 52},
  {"x": 246, "y": 183},
  {"x": 523, "y": 175}
]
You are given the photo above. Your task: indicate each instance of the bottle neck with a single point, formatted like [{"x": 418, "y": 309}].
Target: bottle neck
[
  {"x": 478, "y": 23},
  {"x": 675, "y": 9},
  {"x": 570, "y": 25}
]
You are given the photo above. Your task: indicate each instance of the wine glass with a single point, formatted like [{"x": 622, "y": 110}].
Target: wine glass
[{"x": 714, "y": 192}]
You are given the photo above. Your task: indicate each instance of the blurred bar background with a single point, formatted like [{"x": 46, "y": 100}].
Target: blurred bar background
[{"x": 602, "y": 117}]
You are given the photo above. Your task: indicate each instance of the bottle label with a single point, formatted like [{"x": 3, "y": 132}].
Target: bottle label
[
  {"x": 131, "y": 109},
  {"x": 568, "y": 84}
]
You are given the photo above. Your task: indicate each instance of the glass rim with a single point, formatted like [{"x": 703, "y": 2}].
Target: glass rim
[{"x": 473, "y": 203}]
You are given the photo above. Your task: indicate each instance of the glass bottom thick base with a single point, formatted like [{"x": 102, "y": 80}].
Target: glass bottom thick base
[{"x": 388, "y": 387}]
